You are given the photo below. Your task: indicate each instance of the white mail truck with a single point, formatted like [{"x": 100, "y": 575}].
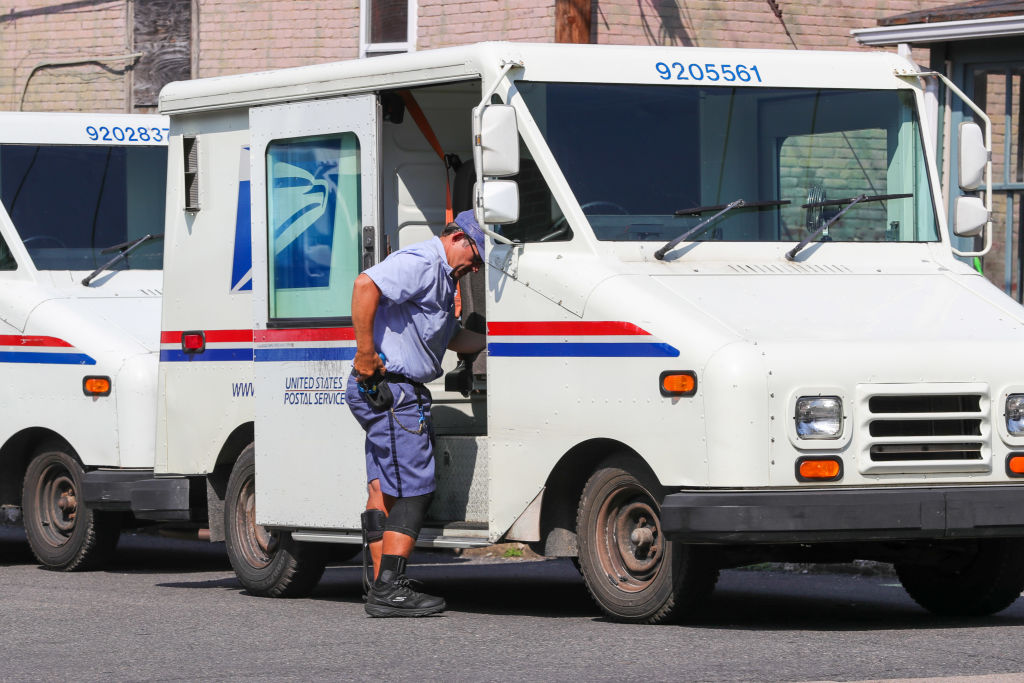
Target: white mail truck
[
  {"x": 725, "y": 318},
  {"x": 80, "y": 264}
]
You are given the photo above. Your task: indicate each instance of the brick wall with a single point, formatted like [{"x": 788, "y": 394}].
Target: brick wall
[
  {"x": 237, "y": 37},
  {"x": 38, "y": 33},
  {"x": 443, "y": 24},
  {"x": 812, "y": 24}
]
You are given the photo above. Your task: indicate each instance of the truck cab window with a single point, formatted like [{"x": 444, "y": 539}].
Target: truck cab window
[
  {"x": 313, "y": 219},
  {"x": 70, "y": 202},
  {"x": 792, "y": 155}
]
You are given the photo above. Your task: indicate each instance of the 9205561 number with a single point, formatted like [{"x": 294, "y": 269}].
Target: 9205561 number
[{"x": 710, "y": 72}]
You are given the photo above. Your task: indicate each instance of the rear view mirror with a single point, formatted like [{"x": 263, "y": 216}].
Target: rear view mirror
[
  {"x": 970, "y": 217},
  {"x": 973, "y": 156},
  {"x": 496, "y": 151},
  {"x": 499, "y": 200}
]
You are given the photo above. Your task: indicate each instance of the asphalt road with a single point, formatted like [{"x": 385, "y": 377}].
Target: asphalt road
[{"x": 173, "y": 611}]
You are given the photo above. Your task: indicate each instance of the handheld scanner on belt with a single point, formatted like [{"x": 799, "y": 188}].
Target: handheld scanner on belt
[{"x": 376, "y": 390}]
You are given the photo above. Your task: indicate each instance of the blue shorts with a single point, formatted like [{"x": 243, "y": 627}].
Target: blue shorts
[{"x": 398, "y": 451}]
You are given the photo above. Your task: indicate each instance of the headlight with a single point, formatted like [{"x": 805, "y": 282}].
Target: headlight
[
  {"x": 1015, "y": 414},
  {"x": 821, "y": 417}
]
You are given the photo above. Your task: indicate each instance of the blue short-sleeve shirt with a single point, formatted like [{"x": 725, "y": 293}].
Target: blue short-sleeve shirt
[{"x": 415, "y": 320}]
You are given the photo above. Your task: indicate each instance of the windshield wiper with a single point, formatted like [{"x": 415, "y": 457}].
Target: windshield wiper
[
  {"x": 122, "y": 250},
  {"x": 722, "y": 209},
  {"x": 850, "y": 202},
  {"x": 859, "y": 198},
  {"x": 749, "y": 205},
  {"x": 700, "y": 227}
]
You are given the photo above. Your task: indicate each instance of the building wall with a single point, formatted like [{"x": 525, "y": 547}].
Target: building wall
[
  {"x": 37, "y": 34},
  {"x": 811, "y": 24},
  {"x": 271, "y": 34},
  {"x": 460, "y": 22}
]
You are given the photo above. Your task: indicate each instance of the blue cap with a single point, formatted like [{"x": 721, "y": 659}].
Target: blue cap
[{"x": 467, "y": 221}]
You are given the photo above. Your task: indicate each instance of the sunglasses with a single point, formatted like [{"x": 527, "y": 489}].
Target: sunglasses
[{"x": 476, "y": 250}]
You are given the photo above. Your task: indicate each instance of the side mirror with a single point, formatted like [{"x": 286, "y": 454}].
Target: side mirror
[
  {"x": 970, "y": 216},
  {"x": 496, "y": 137},
  {"x": 973, "y": 156},
  {"x": 499, "y": 200}
]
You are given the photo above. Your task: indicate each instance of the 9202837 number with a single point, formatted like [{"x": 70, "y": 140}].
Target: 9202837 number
[
  {"x": 711, "y": 72},
  {"x": 126, "y": 134}
]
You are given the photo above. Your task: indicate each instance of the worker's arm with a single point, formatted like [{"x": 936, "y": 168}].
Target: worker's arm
[{"x": 365, "y": 299}]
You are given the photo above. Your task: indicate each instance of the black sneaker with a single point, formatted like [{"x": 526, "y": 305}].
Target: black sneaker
[{"x": 398, "y": 599}]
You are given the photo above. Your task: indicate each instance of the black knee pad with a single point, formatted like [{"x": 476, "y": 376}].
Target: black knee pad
[
  {"x": 373, "y": 524},
  {"x": 407, "y": 514}
]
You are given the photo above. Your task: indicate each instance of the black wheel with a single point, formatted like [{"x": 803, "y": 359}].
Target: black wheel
[
  {"x": 979, "y": 578},
  {"x": 268, "y": 563},
  {"x": 633, "y": 572},
  {"x": 64, "y": 534}
]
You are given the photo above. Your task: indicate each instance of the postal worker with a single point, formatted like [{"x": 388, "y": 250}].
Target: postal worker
[{"x": 403, "y": 312}]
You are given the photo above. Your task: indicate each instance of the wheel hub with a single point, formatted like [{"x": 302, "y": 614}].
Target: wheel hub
[
  {"x": 629, "y": 539},
  {"x": 639, "y": 537},
  {"x": 64, "y": 503}
]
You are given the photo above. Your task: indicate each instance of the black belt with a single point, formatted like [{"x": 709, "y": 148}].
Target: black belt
[{"x": 397, "y": 377}]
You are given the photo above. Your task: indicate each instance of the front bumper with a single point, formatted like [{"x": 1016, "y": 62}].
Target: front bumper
[{"x": 823, "y": 515}]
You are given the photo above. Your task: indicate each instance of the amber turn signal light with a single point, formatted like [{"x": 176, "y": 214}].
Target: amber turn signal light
[
  {"x": 819, "y": 469},
  {"x": 1015, "y": 465},
  {"x": 96, "y": 386},
  {"x": 678, "y": 383}
]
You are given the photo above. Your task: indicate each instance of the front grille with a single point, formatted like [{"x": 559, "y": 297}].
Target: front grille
[
  {"x": 925, "y": 404},
  {"x": 927, "y": 451},
  {"x": 927, "y": 429}
]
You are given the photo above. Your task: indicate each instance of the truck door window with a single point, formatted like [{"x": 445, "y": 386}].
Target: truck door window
[
  {"x": 7, "y": 261},
  {"x": 540, "y": 216},
  {"x": 69, "y": 202},
  {"x": 313, "y": 221}
]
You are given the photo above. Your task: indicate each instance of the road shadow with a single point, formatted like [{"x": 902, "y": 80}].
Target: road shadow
[
  {"x": 540, "y": 588},
  {"x": 743, "y": 600},
  {"x": 14, "y": 548},
  {"x": 778, "y": 601},
  {"x": 137, "y": 553},
  {"x": 144, "y": 553}
]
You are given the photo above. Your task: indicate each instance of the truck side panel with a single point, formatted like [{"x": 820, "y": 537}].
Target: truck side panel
[{"x": 204, "y": 396}]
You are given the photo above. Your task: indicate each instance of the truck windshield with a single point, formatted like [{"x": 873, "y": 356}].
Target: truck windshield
[
  {"x": 640, "y": 159},
  {"x": 70, "y": 202}
]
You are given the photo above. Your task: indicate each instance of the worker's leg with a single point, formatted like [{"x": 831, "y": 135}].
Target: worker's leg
[
  {"x": 400, "y": 472},
  {"x": 391, "y": 595},
  {"x": 374, "y": 521}
]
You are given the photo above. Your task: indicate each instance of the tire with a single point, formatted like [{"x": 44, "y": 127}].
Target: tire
[
  {"x": 984, "y": 577},
  {"x": 63, "y": 533},
  {"x": 633, "y": 572},
  {"x": 268, "y": 563}
]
